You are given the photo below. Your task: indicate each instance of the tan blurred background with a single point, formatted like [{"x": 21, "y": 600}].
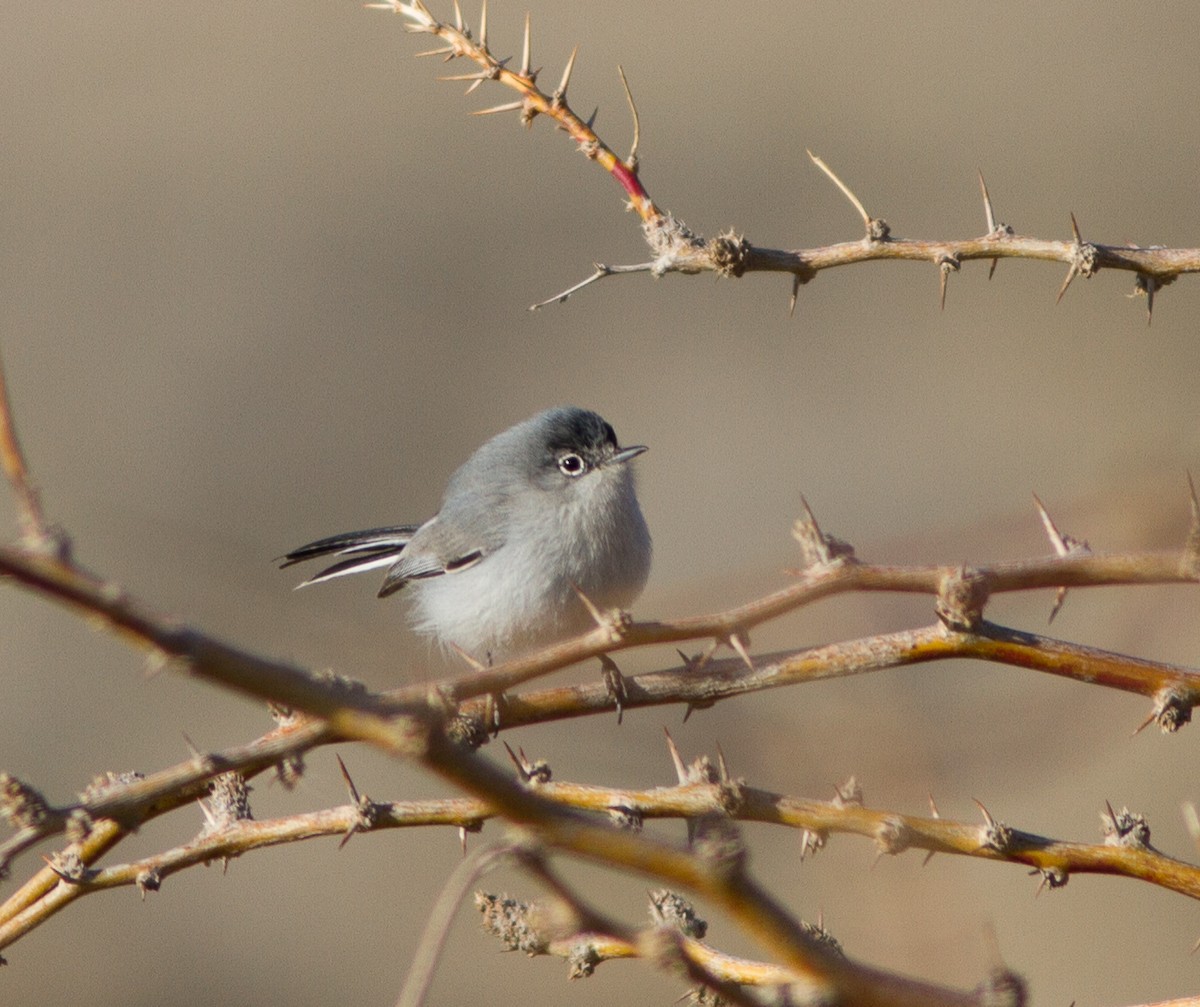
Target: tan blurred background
[{"x": 263, "y": 279}]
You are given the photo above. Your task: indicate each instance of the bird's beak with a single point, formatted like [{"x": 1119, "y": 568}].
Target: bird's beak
[{"x": 627, "y": 454}]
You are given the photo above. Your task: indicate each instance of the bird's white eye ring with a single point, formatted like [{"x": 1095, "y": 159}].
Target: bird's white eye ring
[{"x": 571, "y": 464}]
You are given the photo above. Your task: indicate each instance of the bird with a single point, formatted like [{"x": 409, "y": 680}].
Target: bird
[{"x": 537, "y": 530}]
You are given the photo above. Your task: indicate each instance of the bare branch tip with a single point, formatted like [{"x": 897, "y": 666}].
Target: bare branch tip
[{"x": 632, "y": 160}]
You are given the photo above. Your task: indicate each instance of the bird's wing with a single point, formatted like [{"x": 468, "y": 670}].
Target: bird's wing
[{"x": 436, "y": 549}]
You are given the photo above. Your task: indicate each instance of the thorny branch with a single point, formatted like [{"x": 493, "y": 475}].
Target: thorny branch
[
  {"x": 413, "y": 724},
  {"x": 675, "y": 248}
]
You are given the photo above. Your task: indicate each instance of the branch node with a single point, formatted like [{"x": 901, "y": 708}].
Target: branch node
[
  {"x": 961, "y": 597},
  {"x": 228, "y": 802},
  {"x": 1084, "y": 260},
  {"x": 1002, "y": 988},
  {"x": 812, "y": 841},
  {"x": 1171, "y": 711},
  {"x": 818, "y": 550},
  {"x": 1051, "y": 878},
  {"x": 467, "y": 730},
  {"x": 729, "y": 254},
  {"x": 892, "y": 836},
  {"x": 532, "y": 772},
  {"x": 994, "y": 835},
  {"x": 514, "y": 923},
  {"x": 22, "y": 806},
  {"x": 1124, "y": 828},
  {"x": 672, "y": 910},
  {"x": 148, "y": 880}
]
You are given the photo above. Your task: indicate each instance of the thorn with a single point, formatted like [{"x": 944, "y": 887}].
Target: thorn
[
  {"x": 987, "y": 203},
  {"x": 738, "y": 644},
  {"x": 560, "y": 96},
  {"x": 349, "y": 782},
  {"x": 449, "y": 52},
  {"x": 848, "y": 794},
  {"x": 57, "y": 871},
  {"x": 1192, "y": 821},
  {"x": 933, "y": 809},
  {"x": 518, "y": 761},
  {"x": 680, "y": 769},
  {"x": 1057, "y": 539},
  {"x": 722, "y": 765},
  {"x": 598, "y": 617},
  {"x": 1064, "y": 545},
  {"x": 192, "y": 749},
  {"x": 699, "y": 662},
  {"x": 862, "y": 212},
  {"x": 458, "y": 18},
  {"x": 631, "y": 162},
  {"x": 471, "y": 662},
  {"x": 512, "y": 106},
  {"x": 991, "y": 217},
  {"x": 209, "y": 818},
  {"x": 476, "y": 78},
  {"x": 1145, "y": 723},
  {"x": 1071, "y": 271},
  {"x": 462, "y": 838},
  {"x": 795, "y": 294},
  {"x": 944, "y": 269},
  {"x": 483, "y": 26},
  {"x": 526, "y": 50},
  {"x": 987, "y": 817},
  {"x": 591, "y": 119}
]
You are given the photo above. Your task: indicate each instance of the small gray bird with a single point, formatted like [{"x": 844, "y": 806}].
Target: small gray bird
[{"x": 542, "y": 511}]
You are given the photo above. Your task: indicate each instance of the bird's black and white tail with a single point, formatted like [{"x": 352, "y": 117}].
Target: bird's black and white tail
[{"x": 364, "y": 550}]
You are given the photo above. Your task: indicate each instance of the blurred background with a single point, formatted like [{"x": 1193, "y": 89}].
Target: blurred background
[{"x": 263, "y": 279}]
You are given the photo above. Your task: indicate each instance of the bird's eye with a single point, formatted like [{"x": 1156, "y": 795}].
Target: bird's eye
[{"x": 571, "y": 464}]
